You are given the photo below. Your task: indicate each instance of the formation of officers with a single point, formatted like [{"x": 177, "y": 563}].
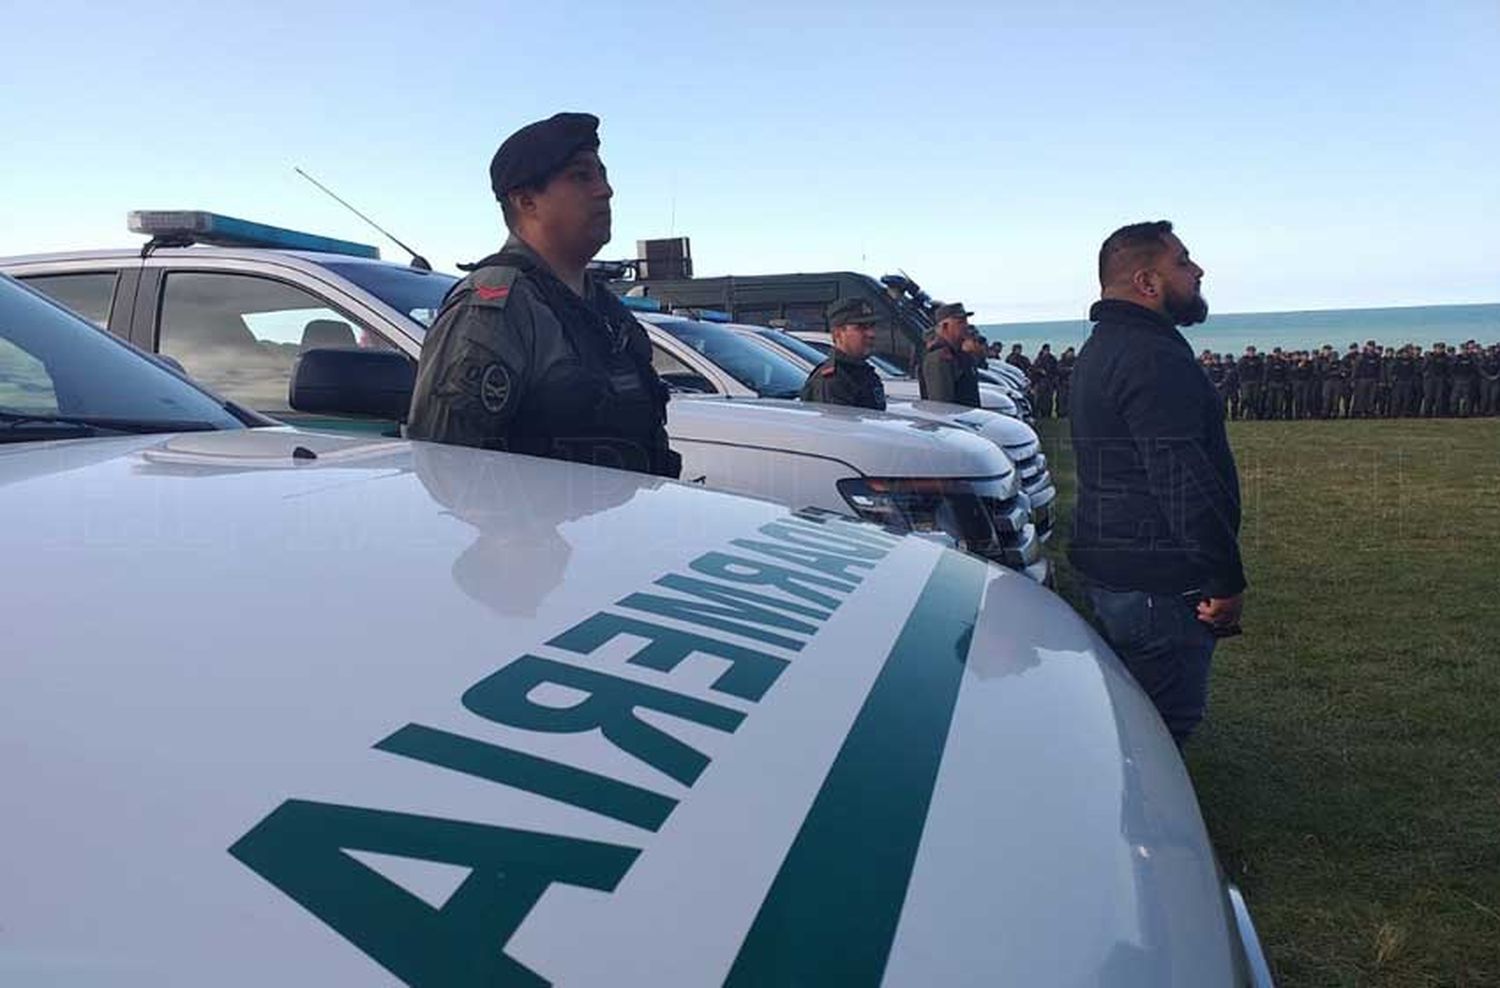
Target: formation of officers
[{"x": 1364, "y": 382}]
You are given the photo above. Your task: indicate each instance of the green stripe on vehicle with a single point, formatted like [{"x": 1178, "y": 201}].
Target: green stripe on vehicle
[{"x": 831, "y": 913}]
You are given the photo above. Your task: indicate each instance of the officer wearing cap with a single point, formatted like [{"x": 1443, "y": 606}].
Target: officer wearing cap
[
  {"x": 846, "y": 377},
  {"x": 529, "y": 353},
  {"x": 947, "y": 373}
]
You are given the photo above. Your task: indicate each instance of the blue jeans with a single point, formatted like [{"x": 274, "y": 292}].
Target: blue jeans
[{"x": 1165, "y": 647}]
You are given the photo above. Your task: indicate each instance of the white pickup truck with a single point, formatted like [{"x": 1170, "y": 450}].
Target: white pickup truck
[
  {"x": 238, "y": 317},
  {"x": 715, "y": 356},
  {"x": 293, "y": 708}
]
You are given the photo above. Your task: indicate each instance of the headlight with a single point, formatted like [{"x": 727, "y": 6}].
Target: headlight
[{"x": 966, "y": 509}]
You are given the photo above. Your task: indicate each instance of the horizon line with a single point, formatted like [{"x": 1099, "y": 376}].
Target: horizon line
[{"x": 1275, "y": 312}]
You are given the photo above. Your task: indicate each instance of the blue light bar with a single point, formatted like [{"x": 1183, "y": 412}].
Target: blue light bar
[
  {"x": 702, "y": 315},
  {"x": 197, "y": 227},
  {"x": 640, "y": 303}
]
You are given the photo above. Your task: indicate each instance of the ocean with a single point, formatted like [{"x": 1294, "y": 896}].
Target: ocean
[{"x": 1232, "y": 332}]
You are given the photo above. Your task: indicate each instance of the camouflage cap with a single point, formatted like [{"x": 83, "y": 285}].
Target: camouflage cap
[
  {"x": 852, "y": 312},
  {"x": 950, "y": 310},
  {"x": 534, "y": 153}
]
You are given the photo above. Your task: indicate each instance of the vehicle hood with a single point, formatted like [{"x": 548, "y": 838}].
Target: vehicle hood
[
  {"x": 873, "y": 443},
  {"x": 376, "y": 711},
  {"x": 990, "y": 395},
  {"x": 1002, "y": 430}
]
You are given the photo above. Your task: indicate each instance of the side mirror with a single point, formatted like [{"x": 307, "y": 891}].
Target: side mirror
[{"x": 371, "y": 383}]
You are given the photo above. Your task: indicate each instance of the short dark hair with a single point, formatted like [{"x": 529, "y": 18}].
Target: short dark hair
[
  {"x": 1136, "y": 242},
  {"x": 508, "y": 212}
]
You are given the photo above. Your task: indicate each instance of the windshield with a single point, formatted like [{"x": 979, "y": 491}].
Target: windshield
[
  {"x": 787, "y": 341},
  {"x": 815, "y": 352},
  {"x": 767, "y": 373},
  {"x": 54, "y": 367},
  {"x": 415, "y": 294}
]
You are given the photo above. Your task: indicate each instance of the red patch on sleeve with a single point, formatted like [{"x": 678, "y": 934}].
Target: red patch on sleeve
[
  {"x": 828, "y": 371},
  {"x": 488, "y": 294}
]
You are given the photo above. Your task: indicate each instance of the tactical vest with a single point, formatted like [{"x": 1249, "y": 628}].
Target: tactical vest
[{"x": 606, "y": 406}]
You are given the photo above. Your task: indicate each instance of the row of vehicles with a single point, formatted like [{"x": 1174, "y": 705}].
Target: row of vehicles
[
  {"x": 285, "y": 703},
  {"x": 239, "y": 312}
]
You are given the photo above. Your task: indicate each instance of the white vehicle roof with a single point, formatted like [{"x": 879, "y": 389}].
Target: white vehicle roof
[{"x": 334, "y": 717}]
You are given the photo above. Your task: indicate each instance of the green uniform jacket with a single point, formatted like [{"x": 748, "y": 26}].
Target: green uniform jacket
[
  {"x": 515, "y": 361},
  {"x": 842, "y": 380},
  {"x": 948, "y": 375}
]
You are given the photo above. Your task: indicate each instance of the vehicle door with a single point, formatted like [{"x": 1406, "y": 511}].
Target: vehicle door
[{"x": 238, "y": 328}]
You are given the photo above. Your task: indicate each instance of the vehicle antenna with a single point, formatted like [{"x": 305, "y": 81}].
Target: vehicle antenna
[{"x": 417, "y": 260}]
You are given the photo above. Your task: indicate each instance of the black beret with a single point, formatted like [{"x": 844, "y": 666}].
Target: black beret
[
  {"x": 852, "y": 312},
  {"x": 538, "y": 150}
]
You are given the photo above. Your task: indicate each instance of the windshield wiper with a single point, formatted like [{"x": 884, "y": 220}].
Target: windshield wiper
[{"x": 89, "y": 425}]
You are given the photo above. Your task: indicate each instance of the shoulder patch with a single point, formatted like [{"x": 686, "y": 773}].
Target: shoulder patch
[
  {"x": 491, "y": 285},
  {"x": 828, "y": 370}
]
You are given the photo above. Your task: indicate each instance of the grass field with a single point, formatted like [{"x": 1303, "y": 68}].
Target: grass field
[{"x": 1349, "y": 768}]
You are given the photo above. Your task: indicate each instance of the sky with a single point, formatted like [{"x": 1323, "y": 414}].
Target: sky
[{"x": 1312, "y": 155}]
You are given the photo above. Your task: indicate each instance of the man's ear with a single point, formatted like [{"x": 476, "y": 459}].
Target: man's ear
[
  {"x": 523, "y": 202},
  {"x": 1146, "y": 282}
]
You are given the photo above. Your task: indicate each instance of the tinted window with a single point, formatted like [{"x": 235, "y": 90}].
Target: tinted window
[
  {"x": 415, "y": 294},
  {"x": 801, "y": 348},
  {"x": 763, "y": 371},
  {"x": 53, "y": 362},
  {"x": 677, "y": 374},
  {"x": 91, "y": 294},
  {"x": 806, "y": 317},
  {"x": 240, "y": 335}
]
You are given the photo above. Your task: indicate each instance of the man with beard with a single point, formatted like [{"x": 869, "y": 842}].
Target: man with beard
[
  {"x": 1156, "y": 522},
  {"x": 529, "y": 353}
]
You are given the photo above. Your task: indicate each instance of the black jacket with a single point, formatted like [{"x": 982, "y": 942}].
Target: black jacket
[
  {"x": 840, "y": 380},
  {"x": 1158, "y": 505}
]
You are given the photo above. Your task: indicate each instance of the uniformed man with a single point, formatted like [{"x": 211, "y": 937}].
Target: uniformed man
[
  {"x": 947, "y": 373},
  {"x": 846, "y": 377},
  {"x": 1366, "y": 380},
  {"x": 1019, "y": 359},
  {"x": 1065, "y": 381},
  {"x": 1044, "y": 381},
  {"x": 1348, "y": 363},
  {"x": 529, "y": 353},
  {"x": 1331, "y": 370},
  {"x": 1231, "y": 393},
  {"x": 1436, "y": 367},
  {"x": 1465, "y": 381},
  {"x": 1252, "y": 369},
  {"x": 1404, "y": 383},
  {"x": 1278, "y": 386},
  {"x": 1303, "y": 387},
  {"x": 1489, "y": 374}
]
